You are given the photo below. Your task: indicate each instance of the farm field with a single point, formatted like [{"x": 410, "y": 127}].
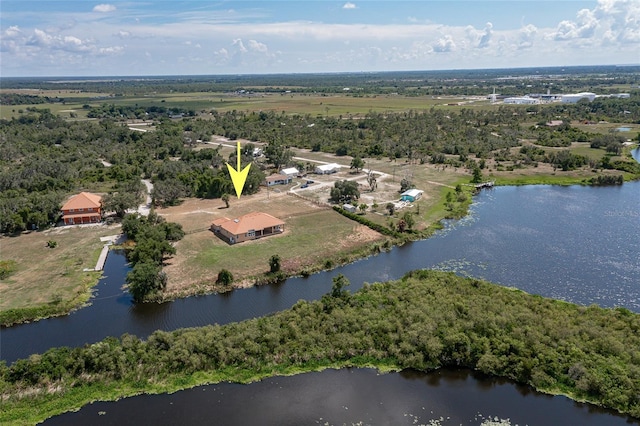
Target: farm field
[{"x": 313, "y": 104}]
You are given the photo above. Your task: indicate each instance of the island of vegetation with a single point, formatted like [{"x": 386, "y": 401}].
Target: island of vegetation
[{"x": 425, "y": 321}]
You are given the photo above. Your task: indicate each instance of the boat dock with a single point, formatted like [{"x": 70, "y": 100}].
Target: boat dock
[
  {"x": 485, "y": 185},
  {"x": 112, "y": 239}
]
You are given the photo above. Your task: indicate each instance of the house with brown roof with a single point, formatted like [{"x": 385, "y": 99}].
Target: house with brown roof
[
  {"x": 84, "y": 207},
  {"x": 248, "y": 227}
]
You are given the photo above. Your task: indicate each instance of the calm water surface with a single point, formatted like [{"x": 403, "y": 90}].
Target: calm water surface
[
  {"x": 575, "y": 243},
  {"x": 349, "y": 396}
]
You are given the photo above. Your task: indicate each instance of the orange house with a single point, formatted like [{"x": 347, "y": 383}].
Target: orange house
[
  {"x": 248, "y": 227},
  {"x": 82, "y": 208}
]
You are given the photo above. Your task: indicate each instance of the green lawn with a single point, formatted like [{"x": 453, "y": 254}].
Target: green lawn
[{"x": 309, "y": 239}]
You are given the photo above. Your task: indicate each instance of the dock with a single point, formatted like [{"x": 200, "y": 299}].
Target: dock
[
  {"x": 113, "y": 239},
  {"x": 485, "y": 185},
  {"x": 102, "y": 258}
]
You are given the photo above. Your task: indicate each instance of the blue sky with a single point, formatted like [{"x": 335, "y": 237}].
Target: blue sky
[{"x": 85, "y": 38}]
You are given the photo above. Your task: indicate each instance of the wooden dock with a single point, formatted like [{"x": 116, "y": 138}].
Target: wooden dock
[
  {"x": 102, "y": 258},
  {"x": 485, "y": 185}
]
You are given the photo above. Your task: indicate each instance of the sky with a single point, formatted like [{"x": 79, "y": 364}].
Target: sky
[{"x": 89, "y": 38}]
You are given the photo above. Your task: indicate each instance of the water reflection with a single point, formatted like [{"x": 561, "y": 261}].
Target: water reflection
[{"x": 350, "y": 396}]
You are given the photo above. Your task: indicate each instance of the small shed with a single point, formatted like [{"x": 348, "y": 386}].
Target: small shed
[
  {"x": 411, "y": 195},
  {"x": 349, "y": 207},
  {"x": 291, "y": 172}
]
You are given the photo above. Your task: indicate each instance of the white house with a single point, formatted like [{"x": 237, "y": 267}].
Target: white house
[
  {"x": 291, "y": 172},
  {"x": 411, "y": 195},
  {"x": 277, "y": 179},
  {"x": 326, "y": 169}
]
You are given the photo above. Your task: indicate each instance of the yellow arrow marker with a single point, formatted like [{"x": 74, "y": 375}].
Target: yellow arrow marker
[{"x": 238, "y": 177}]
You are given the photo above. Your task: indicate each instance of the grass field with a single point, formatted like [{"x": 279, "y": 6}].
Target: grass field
[
  {"x": 312, "y": 236},
  {"x": 49, "y": 276},
  {"x": 312, "y": 104}
]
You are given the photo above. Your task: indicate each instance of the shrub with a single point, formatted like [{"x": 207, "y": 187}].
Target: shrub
[
  {"x": 274, "y": 263},
  {"x": 225, "y": 277}
]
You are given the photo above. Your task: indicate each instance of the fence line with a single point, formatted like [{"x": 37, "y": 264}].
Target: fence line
[
  {"x": 311, "y": 200},
  {"x": 194, "y": 231}
]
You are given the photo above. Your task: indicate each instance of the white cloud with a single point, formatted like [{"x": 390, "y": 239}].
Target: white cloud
[
  {"x": 251, "y": 53},
  {"x": 611, "y": 21},
  {"x": 480, "y": 38},
  {"x": 583, "y": 27},
  {"x": 111, "y": 50},
  {"x": 444, "y": 44},
  {"x": 349, "y": 5},
  {"x": 12, "y": 31},
  {"x": 621, "y": 18},
  {"x": 256, "y": 46},
  {"x": 526, "y": 36},
  {"x": 486, "y": 36},
  {"x": 104, "y": 8}
]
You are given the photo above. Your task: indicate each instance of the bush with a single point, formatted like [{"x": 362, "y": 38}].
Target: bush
[
  {"x": 274, "y": 263},
  {"x": 52, "y": 244},
  {"x": 606, "y": 180},
  {"x": 225, "y": 278}
]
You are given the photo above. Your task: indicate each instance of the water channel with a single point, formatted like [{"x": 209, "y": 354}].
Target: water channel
[{"x": 575, "y": 243}]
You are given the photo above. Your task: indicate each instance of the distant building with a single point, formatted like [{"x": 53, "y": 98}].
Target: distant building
[
  {"x": 523, "y": 100},
  {"x": 576, "y": 97},
  {"x": 411, "y": 195},
  {"x": 248, "y": 227},
  {"x": 277, "y": 179},
  {"x": 326, "y": 169},
  {"x": 82, "y": 208}
]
